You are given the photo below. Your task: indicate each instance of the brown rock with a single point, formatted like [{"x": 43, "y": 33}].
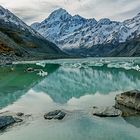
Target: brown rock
[{"x": 130, "y": 99}]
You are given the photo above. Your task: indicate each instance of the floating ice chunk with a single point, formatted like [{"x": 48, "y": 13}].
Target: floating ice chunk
[
  {"x": 126, "y": 66},
  {"x": 41, "y": 64},
  {"x": 95, "y": 64},
  {"x": 42, "y": 73}
]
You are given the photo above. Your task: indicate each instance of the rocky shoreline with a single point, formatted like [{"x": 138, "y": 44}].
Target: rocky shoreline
[
  {"x": 8, "y": 59},
  {"x": 127, "y": 105},
  {"x": 5, "y": 59}
]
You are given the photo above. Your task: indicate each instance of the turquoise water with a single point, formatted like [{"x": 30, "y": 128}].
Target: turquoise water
[{"x": 75, "y": 86}]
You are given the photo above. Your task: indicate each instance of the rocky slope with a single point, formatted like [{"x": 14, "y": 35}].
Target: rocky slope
[
  {"x": 129, "y": 48},
  {"x": 20, "y": 42},
  {"x": 87, "y": 37}
]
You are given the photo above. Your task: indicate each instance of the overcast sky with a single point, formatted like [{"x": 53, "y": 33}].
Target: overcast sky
[{"x": 37, "y": 10}]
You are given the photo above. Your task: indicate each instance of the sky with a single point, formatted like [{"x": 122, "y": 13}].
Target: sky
[{"x": 37, "y": 10}]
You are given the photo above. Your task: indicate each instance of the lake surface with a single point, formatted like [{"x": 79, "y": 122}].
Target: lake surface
[{"x": 75, "y": 85}]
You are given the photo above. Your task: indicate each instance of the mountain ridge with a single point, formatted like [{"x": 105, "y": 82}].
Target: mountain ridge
[{"x": 18, "y": 41}]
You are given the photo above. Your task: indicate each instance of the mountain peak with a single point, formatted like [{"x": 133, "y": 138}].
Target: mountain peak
[
  {"x": 59, "y": 14},
  {"x": 60, "y": 10},
  {"x": 104, "y": 21},
  {"x": 78, "y": 17}
]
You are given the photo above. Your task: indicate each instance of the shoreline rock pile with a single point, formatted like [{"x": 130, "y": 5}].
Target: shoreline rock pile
[
  {"x": 130, "y": 99},
  {"x": 127, "y": 104}
]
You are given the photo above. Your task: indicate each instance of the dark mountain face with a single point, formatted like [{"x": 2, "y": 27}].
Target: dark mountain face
[
  {"x": 20, "y": 42},
  {"x": 26, "y": 42},
  {"x": 130, "y": 48}
]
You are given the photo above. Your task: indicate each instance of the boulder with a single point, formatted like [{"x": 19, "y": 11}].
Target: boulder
[
  {"x": 18, "y": 120},
  {"x": 57, "y": 114},
  {"x": 20, "y": 114},
  {"x": 6, "y": 121},
  {"x": 29, "y": 70},
  {"x": 127, "y": 112},
  {"x": 130, "y": 99},
  {"x": 106, "y": 112}
]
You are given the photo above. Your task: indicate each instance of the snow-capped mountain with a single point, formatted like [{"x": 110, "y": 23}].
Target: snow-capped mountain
[
  {"x": 74, "y": 32},
  {"x": 133, "y": 25}
]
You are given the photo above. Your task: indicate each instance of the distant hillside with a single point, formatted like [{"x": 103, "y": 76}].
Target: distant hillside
[{"x": 20, "y": 42}]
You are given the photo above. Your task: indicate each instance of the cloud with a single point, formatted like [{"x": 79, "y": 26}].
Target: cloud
[
  {"x": 37, "y": 10},
  {"x": 127, "y": 14}
]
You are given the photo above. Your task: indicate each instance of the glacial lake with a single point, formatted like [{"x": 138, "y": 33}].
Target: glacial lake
[{"x": 74, "y": 85}]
